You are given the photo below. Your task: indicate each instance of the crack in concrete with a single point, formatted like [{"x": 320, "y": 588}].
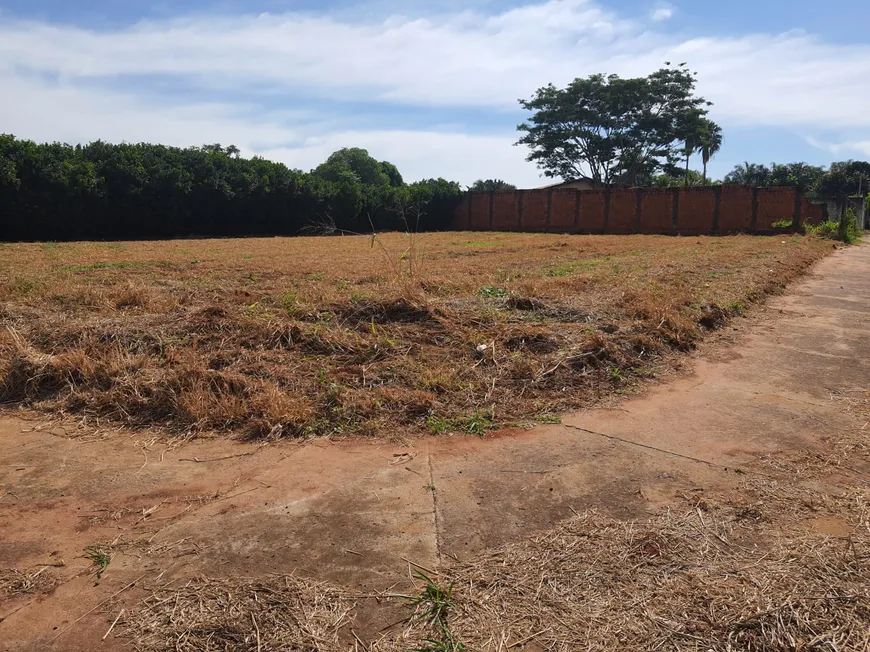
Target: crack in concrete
[
  {"x": 435, "y": 515},
  {"x": 663, "y": 451}
]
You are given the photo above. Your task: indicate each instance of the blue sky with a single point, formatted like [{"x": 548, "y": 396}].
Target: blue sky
[{"x": 431, "y": 86}]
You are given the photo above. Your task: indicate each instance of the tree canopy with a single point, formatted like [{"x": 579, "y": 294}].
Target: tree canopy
[
  {"x": 803, "y": 176},
  {"x": 845, "y": 178},
  {"x": 490, "y": 185},
  {"x": 614, "y": 130},
  {"x": 131, "y": 191}
]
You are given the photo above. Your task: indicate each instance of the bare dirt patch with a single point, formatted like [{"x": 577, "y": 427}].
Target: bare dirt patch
[{"x": 312, "y": 336}]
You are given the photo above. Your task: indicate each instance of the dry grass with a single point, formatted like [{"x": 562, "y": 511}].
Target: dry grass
[
  {"x": 290, "y": 337},
  {"x": 16, "y": 582},
  {"x": 704, "y": 579},
  {"x": 275, "y": 613},
  {"x": 748, "y": 571},
  {"x": 690, "y": 581}
]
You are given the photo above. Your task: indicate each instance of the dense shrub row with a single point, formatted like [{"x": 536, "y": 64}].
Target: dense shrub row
[{"x": 140, "y": 191}]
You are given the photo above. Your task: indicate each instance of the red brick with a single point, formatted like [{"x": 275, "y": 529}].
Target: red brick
[
  {"x": 591, "y": 211},
  {"x": 735, "y": 209},
  {"x": 657, "y": 211},
  {"x": 774, "y": 205},
  {"x": 623, "y": 211},
  {"x": 460, "y": 215},
  {"x": 535, "y": 210},
  {"x": 479, "y": 210},
  {"x": 504, "y": 211},
  {"x": 697, "y": 210},
  {"x": 562, "y": 205}
]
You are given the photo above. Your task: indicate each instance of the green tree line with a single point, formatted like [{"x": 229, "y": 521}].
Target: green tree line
[
  {"x": 109, "y": 191},
  {"x": 841, "y": 179}
]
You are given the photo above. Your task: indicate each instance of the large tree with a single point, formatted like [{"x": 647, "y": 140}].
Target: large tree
[
  {"x": 613, "y": 130},
  {"x": 354, "y": 165},
  {"x": 709, "y": 142},
  {"x": 750, "y": 174},
  {"x": 844, "y": 179}
]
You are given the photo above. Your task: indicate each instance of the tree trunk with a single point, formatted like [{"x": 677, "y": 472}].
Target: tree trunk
[
  {"x": 687, "y": 170},
  {"x": 705, "y": 171}
]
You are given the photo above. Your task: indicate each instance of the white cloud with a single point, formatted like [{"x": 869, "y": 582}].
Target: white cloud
[
  {"x": 298, "y": 139},
  {"x": 662, "y": 13},
  {"x": 459, "y": 156},
  {"x": 848, "y": 148},
  {"x": 63, "y": 82}
]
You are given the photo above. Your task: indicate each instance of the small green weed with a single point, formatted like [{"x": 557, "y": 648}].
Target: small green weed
[
  {"x": 567, "y": 269},
  {"x": 315, "y": 277},
  {"x": 782, "y": 224},
  {"x": 429, "y": 486},
  {"x": 849, "y": 231},
  {"x": 100, "y": 559},
  {"x": 437, "y": 425},
  {"x": 474, "y": 424},
  {"x": 737, "y": 307},
  {"x": 434, "y": 603},
  {"x": 492, "y": 292},
  {"x": 846, "y": 229},
  {"x": 828, "y": 230},
  {"x": 289, "y": 301},
  {"x": 433, "y": 606}
]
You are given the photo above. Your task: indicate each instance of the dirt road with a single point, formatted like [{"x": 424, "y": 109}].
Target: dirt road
[{"x": 356, "y": 512}]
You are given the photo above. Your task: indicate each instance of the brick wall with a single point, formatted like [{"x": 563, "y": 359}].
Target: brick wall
[
  {"x": 657, "y": 211},
  {"x": 593, "y": 206},
  {"x": 678, "y": 211},
  {"x": 774, "y": 205},
  {"x": 696, "y": 210},
  {"x": 562, "y": 210}
]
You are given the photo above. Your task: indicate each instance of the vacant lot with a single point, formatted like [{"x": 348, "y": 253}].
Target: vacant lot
[{"x": 355, "y": 335}]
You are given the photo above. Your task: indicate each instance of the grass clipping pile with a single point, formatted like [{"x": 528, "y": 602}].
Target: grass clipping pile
[
  {"x": 275, "y": 613},
  {"x": 321, "y": 336},
  {"x": 678, "y": 582}
]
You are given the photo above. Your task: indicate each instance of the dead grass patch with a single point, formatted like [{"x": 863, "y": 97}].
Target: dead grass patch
[
  {"x": 15, "y": 582},
  {"x": 704, "y": 579},
  {"x": 274, "y": 613},
  {"x": 743, "y": 571},
  {"x": 316, "y": 336},
  {"x": 681, "y": 581}
]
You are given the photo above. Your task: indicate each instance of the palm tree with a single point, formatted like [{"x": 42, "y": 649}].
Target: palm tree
[
  {"x": 692, "y": 145},
  {"x": 709, "y": 142}
]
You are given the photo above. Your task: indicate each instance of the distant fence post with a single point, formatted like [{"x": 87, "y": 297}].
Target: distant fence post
[
  {"x": 491, "y": 202},
  {"x": 797, "y": 221},
  {"x": 638, "y": 210},
  {"x": 675, "y": 211},
  {"x": 753, "y": 222},
  {"x": 520, "y": 194},
  {"x": 468, "y": 221},
  {"x": 576, "y": 211},
  {"x": 607, "y": 210},
  {"x": 549, "y": 205},
  {"x": 717, "y": 208}
]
